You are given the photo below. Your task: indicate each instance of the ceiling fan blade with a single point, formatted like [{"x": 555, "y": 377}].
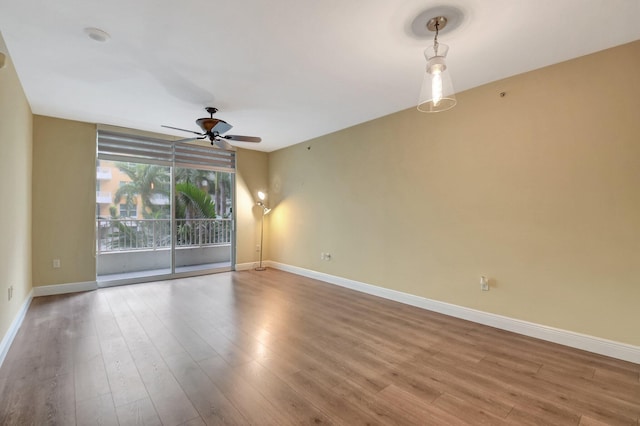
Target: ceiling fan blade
[
  {"x": 222, "y": 144},
  {"x": 190, "y": 139},
  {"x": 184, "y": 130},
  {"x": 240, "y": 138}
]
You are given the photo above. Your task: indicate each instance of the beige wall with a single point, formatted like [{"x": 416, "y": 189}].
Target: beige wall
[
  {"x": 15, "y": 191},
  {"x": 539, "y": 190},
  {"x": 64, "y": 192},
  {"x": 64, "y": 201},
  {"x": 250, "y": 178}
]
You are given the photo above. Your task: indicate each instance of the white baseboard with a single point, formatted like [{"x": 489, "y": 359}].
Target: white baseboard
[
  {"x": 245, "y": 266},
  {"x": 49, "y": 290},
  {"x": 7, "y": 340},
  {"x": 564, "y": 337},
  {"x": 250, "y": 265}
]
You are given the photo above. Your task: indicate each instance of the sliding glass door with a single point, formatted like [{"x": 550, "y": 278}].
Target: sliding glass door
[
  {"x": 203, "y": 219},
  {"x": 133, "y": 223},
  {"x": 162, "y": 210}
]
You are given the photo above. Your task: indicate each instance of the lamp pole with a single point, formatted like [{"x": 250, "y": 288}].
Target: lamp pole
[
  {"x": 262, "y": 196},
  {"x": 261, "y": 268}
]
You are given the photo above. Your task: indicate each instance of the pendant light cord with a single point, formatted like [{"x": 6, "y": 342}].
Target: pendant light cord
[{"x": 435, "y": 39}]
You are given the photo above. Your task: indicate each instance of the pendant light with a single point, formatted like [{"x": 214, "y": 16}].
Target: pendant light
[{"x": 437, "y": 89}]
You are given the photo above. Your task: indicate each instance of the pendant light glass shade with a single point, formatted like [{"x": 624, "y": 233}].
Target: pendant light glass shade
[{"x": 437, "y": 89}]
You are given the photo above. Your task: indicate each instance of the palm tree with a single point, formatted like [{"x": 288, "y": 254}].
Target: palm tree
[
  {"x": 217, "y": 184},
  {"x": 146, "y": 180},
  {"x": 193, "y": 202},
  {"x": 222, "y": 192},
  {"x": 203, "y": 179}
]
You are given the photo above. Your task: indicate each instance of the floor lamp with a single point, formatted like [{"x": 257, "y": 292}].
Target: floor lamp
[{"x": 265, "y": 211}]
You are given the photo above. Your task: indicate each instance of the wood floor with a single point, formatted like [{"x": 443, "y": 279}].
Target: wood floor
[{"x": 271, "y": 348}]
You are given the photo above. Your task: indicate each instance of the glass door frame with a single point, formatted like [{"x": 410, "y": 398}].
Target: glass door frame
[
  {"x": 173, "y": 274},
  {"x": 232, "y": 246}
]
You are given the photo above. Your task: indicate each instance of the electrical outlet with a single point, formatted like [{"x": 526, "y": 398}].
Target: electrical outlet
[
  {"x": 327, "y": 256},
  {"x": 257, "y": 248},
  {"x": 484, "y": 283},
  {"x": 56, "y": 263}
]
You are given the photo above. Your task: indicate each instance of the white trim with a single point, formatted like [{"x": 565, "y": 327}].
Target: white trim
[
  {"x": 7, "y": 340},
  {"x": 564, "y": 337},
  {"x": 246, "y": 266},
  {"x": 49, "y": 290}
]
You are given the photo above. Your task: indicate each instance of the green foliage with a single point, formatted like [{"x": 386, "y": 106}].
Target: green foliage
[
  {"x": 222, "y": 192},
  {"x": 192, "y": 199},
  {"x": 193, "y": 202},
  {"x": 146, "y": 180}
]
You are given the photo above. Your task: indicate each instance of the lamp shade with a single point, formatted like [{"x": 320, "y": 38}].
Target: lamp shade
[{"x": 437, "y": 92}]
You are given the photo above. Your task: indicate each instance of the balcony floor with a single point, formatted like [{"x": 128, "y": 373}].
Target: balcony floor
[{"x": 106, "y": 279}]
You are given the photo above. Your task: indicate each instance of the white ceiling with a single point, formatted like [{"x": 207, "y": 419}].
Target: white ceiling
[{"x": 285, "y": 70}]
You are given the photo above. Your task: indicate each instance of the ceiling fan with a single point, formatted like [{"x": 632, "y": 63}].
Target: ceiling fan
[{"x": 212, "y": 129}]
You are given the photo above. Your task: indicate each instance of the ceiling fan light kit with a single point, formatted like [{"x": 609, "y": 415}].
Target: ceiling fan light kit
[
  {"x": 437, "y": 93},
  {"x": 213, "y": 129}
]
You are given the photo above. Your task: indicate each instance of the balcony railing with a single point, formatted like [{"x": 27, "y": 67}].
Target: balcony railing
[{"x": 153, "y": 234}]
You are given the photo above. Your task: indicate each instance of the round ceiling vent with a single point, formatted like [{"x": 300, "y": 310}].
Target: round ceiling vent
[{"x": 97, "y": 34}]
